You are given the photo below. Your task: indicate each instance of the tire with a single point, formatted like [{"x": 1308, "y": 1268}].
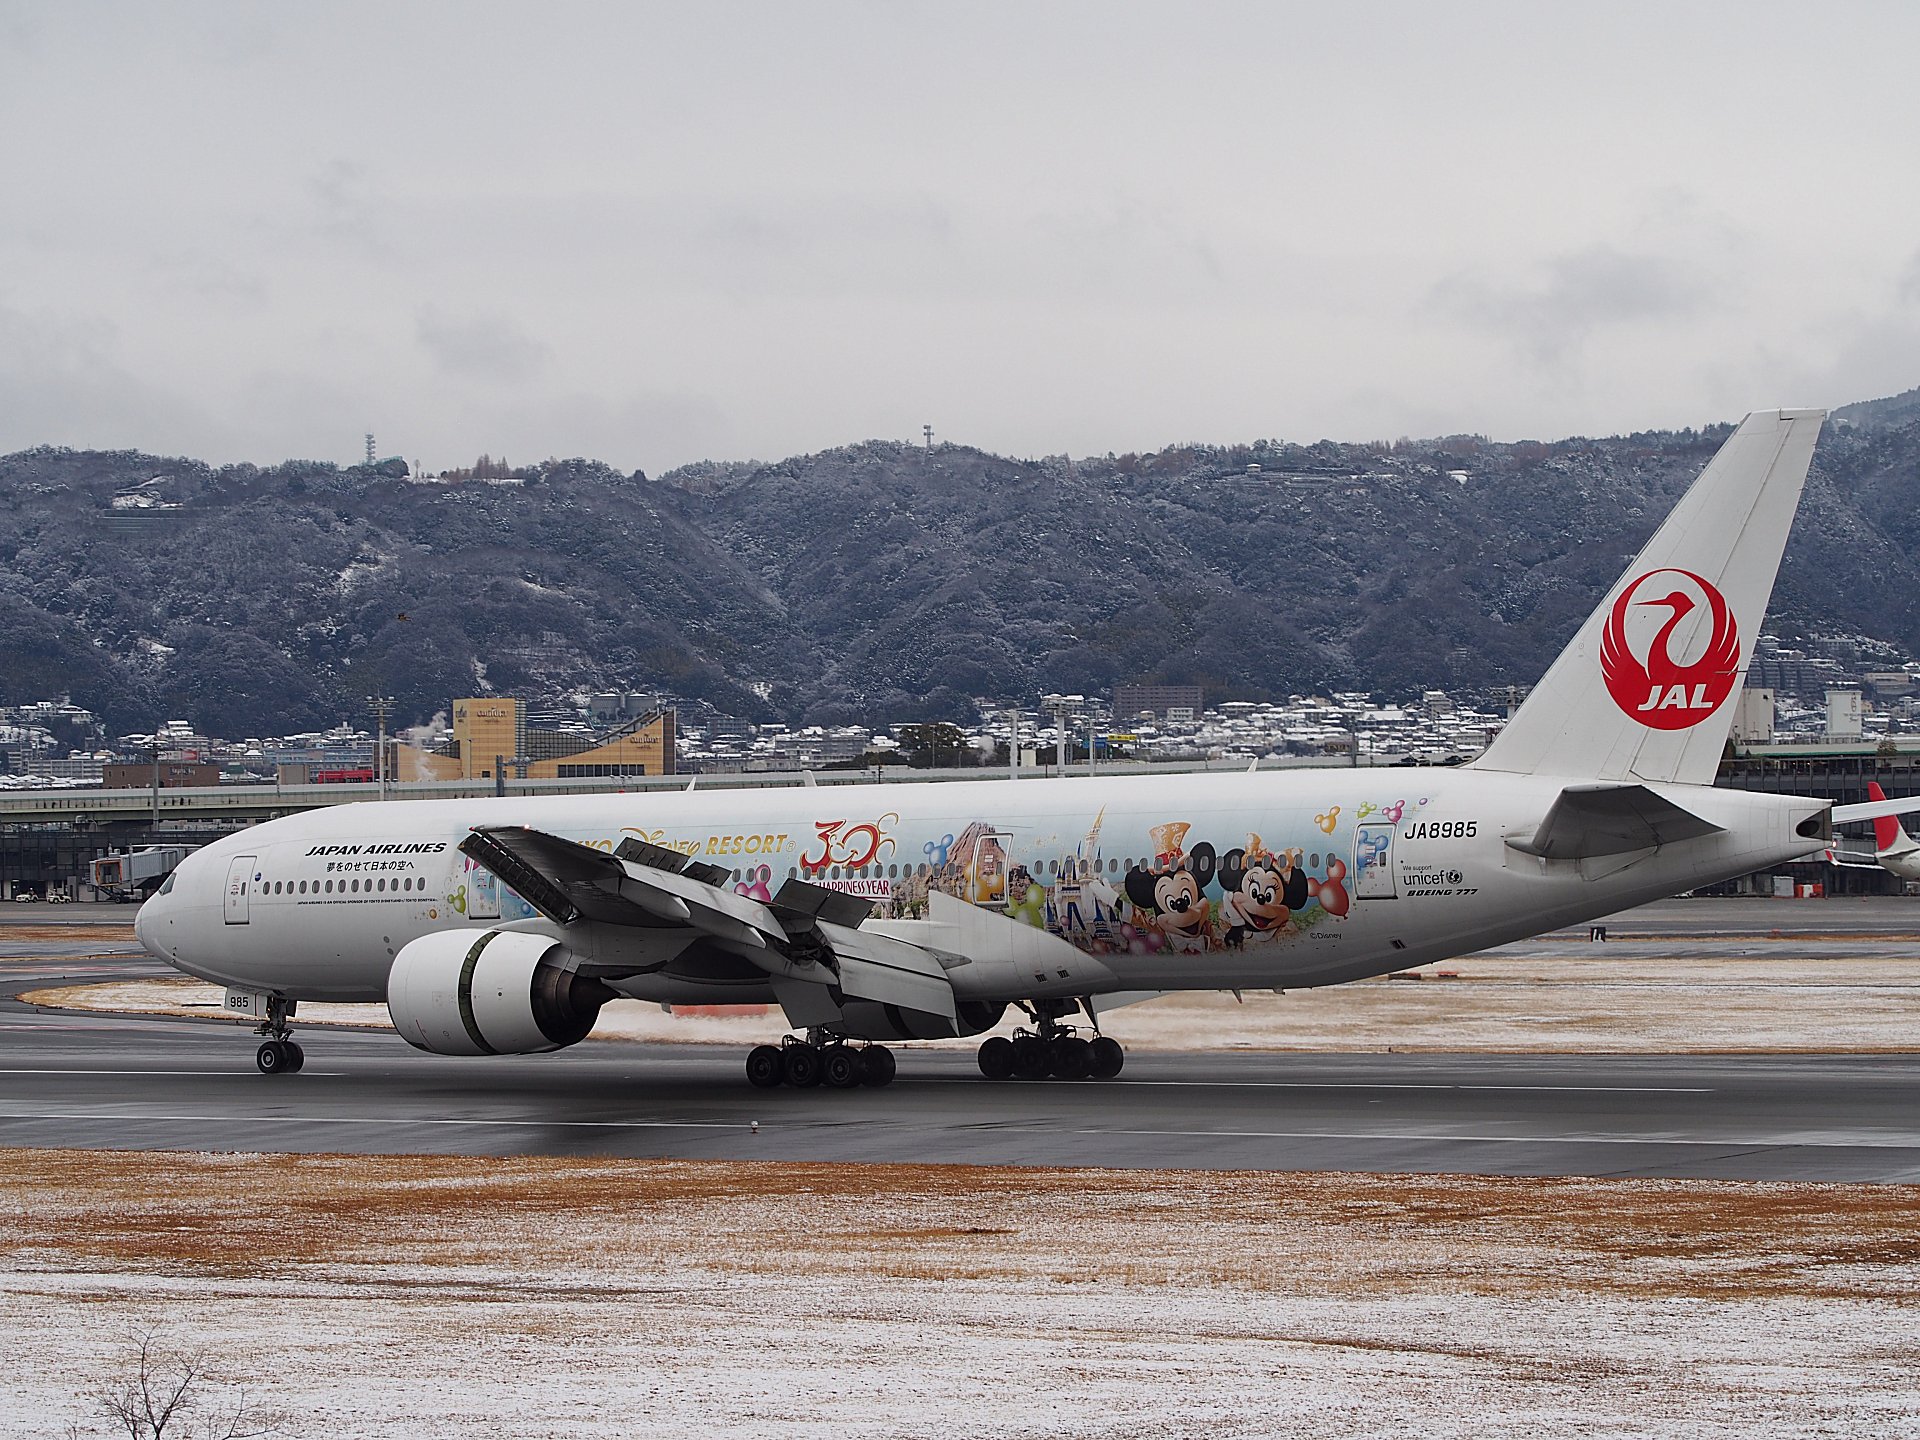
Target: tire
[
  {"x": 1108, "y": 1057},
  {"x": 996, "y": 1057},
  {"x": 1070, "y": 1058},
  {"x": 802, "y": 1066},
  {"x": 296, "y": 1057},
  {"x": 271, "y": 1057},
  {"x": 876, "y": 1066},
  {"x": 1030, "y": 1058},
  {"x": 840, "y": 1067},
  {"x": 765, "y": 1068}
]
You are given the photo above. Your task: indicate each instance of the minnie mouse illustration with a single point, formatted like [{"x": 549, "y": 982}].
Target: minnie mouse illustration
[
  {"x": 1262, "y": 891},
  {"x": 1172, "y": 895}
]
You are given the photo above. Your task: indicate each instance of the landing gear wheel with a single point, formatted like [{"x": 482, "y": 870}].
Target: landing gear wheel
[
  {"x": 1070, "y": 1058},
  {"x": 1107, "y": 1056},
  {"x": 296, "y": 1057},
  {"x": 802, "y": 1065},
  {"x": 272, "y": 1058},
  {"x": 840, "y": 1067},
  {"x": 996, "y": 1057},
  {"x": 876, "y": 1066},
  {"x": 1030, "y": 1058},
  {"x": 765, "y": 1067}
]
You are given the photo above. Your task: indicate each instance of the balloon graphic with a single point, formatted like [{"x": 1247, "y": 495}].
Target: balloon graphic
[
  {"x": 1330, "y": 892},
  {"x": 1365, "y": 810},
  {"x": 936, "y": 850},
  {"x": 1394, "y": 811},
  {"x": 1327, "y": 821},
  {"x": 1031, "y": 908}
]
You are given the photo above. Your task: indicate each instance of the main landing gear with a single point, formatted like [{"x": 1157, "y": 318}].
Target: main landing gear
[
  {"x": 820, "y": 1059},
  {"x": 278, "y": 1053},
  {"x": 1050, "y": 1049}
]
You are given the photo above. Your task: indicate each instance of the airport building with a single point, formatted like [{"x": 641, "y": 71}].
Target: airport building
[{"x": 493, "y": 737}]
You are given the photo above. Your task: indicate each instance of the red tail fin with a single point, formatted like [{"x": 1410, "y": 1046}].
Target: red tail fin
[{"x": 1886, "y": 829}]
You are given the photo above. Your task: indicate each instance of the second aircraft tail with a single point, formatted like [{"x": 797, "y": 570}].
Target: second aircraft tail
[{"x": 1646, "y": 690}]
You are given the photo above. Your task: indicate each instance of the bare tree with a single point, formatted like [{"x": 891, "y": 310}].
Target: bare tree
[{"x": 163, "y": 1397}]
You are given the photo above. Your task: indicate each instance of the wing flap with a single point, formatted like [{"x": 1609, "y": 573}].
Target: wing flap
[
  {"x": 562, "y": 880},
  {"x": 892, "y": 972}
]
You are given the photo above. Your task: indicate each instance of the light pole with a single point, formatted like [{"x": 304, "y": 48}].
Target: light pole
[{"x": 381, "y": 705}]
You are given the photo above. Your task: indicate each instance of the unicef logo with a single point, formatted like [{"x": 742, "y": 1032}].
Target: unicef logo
[{"x": 1454, "y": 877}]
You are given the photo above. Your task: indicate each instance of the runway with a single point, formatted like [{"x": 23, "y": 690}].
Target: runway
[{"x": 100, "y": 1081}]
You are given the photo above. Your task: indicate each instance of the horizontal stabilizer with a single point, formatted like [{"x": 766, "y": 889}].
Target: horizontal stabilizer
[
  {"x": 1590, "y": 820},
  {"x": 1874, "y": 809}
]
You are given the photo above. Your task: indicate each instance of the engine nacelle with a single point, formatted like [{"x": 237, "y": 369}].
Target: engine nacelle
[
  {"x": 870, "y": 1020},
  {"x": 490, "y": 992}
]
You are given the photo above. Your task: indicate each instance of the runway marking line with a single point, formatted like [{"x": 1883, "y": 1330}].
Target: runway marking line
[
  {"x": 1128, "y": 1085},
  {"x": 775, "y": 1128}
]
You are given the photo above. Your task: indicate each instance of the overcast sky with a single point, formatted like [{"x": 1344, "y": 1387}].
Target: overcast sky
[{"x": 661, "y": 233}]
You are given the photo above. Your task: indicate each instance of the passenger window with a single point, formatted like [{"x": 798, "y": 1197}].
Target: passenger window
[{"x": 166, "y": 885}]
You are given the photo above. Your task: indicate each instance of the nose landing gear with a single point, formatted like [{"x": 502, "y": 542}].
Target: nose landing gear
[
  {"x": 278, "y": 1053},
  {"x": 1050, "y": 1049}
]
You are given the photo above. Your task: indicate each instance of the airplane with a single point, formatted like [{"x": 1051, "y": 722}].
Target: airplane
[
  {"x": 1894, "y": 849},
  {"x": 885, "y": 913}
]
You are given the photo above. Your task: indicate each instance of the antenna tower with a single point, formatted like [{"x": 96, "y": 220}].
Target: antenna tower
[
  {"x": 369, "y": 447},
  {"x": 928, "y": 431}
]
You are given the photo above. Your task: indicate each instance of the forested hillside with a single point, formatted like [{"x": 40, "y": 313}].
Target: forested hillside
[{"x": 881, "y": 580}]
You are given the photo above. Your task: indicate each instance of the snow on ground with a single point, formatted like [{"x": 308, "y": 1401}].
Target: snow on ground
[
  {"x": 1655, "y": 995},
  {"x": 436, "y": 1296}
]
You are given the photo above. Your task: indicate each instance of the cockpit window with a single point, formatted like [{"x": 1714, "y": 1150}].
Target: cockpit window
[{"x": 166, "y": 885}]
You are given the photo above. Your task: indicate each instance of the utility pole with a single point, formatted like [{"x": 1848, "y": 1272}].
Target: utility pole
[
  {"x": 156, "y": 789},
  {"x": 381, "y": 705},
  {"x": 1013, "y": 745}
]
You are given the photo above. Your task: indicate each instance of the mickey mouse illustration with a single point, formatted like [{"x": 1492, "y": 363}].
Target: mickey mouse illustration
[
  {"x": 1262, "y": 891},
  {"x": 1172, "y": 895}
]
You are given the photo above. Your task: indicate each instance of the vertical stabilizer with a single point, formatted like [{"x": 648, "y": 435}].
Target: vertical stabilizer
[
  {"x": 1889, "y": 835},
  {"x": 1646, "y": 690}
]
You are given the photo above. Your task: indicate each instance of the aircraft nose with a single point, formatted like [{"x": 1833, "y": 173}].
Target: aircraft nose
[{"x": 145, "y": 925}]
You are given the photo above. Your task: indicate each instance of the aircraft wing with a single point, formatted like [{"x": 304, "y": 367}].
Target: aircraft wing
[
  {"x": 1593, "y": 820},
  {"x": 808, "y": 941},
  {"x": 1874, "y": 809}
]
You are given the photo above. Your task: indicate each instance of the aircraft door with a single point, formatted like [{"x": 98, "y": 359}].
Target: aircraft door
[
  {"x": 239, "y": 884},
  {"x": 1373, "y": 863},
  {"x": 482, "y": 888}
]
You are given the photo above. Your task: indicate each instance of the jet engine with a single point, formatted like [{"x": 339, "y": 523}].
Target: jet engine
[
  {"x": 490, "y": 992},
  {"x": 870, "y": 1020}
]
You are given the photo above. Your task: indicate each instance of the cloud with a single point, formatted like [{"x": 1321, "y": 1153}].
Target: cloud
[
  {"x": 61, "y": 383},
  {"x": 1577, "y": 295},
  {"x": 481, "y": 347},
  {"x": 1909, "y": 289}
]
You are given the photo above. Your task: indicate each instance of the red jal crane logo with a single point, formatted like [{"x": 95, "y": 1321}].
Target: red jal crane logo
[{"x": 1656, "y": 689}]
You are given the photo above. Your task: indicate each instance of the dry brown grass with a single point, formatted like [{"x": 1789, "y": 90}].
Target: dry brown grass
[
  {"x": 39, "y": 933},
  {"x": 250, "y": 1216}
]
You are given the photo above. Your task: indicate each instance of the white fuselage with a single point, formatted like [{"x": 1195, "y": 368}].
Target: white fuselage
[{"x": 1403, "y": 866}]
